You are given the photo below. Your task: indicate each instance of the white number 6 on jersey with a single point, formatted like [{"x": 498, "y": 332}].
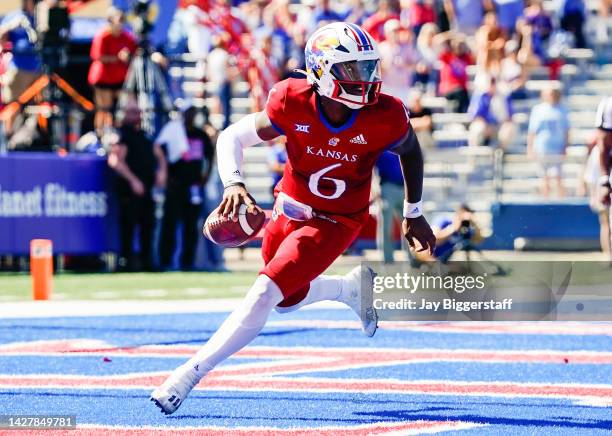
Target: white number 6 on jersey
[{"x": 313, "y": 183}]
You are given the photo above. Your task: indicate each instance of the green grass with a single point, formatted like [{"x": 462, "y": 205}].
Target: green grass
[{"x": 175, "y": 285}]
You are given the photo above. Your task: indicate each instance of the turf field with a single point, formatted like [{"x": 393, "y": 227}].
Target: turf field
[
  {"x": 175, "y": 285},
  {"x": 99, "y": 350},
  {"x": 312, "y": 372}
]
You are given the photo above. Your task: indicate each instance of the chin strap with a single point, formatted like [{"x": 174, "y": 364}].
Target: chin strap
[{"x": 298, "y": 70}]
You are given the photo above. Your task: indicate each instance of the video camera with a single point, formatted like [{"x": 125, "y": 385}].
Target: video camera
[
  {"x": 465, "y": 229},
  {"x": 53, "y": 32},
  {"x": 142, "y": 23}
]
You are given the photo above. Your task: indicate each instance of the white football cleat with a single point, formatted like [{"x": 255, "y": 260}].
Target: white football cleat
[
  {"x": 171, "y": 394},
  {"x": 351, "y": 296}
]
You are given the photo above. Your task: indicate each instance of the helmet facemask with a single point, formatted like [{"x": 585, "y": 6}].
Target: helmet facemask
[{"x": 356, "y": 83}]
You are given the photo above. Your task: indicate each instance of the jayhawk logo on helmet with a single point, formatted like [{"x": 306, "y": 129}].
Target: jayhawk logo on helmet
[
  {"x": 324, "y": 41},
  {"x": 342, "y": 60}
]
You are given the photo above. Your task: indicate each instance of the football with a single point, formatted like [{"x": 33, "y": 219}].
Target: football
[{"x": 227, "y": 233}]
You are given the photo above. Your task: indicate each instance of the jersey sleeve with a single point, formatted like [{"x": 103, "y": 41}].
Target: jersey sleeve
[
  {"x": 401, "y": 123},
  {"x": 276, "y": 106}
]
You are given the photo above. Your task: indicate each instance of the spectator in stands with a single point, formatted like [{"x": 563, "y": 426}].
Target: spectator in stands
[
  {"x": 176, "y": 39},
  {"x": 417, "y": 13},
  {"x": 426, "y": 75},
  {"x": 392, "y": 201},
  {"x": 200, "y": 25},
  {"x": 421, "y": 120},
  {"x": 323, "y": 14},
  {"x": 190, "y": 153},
  {"x": 442, "y": 20},
  {"x": 466, "y": 16},
  {"x": 283, "y": 18},
  {"x": 280, "y": 41},
  {"x": 548, "y": 136},
  {"x": 23, "y": 69},
  {"x": 374, "y": 25},
  {"x": 490, "y": 44},
  {"x": 219, "y": 75},
  {"x": 251, "y": 12},
  {"x": 223, "y": 18},
  {"x": 459, "y": 232},
  {"x": 141, "y": 165},
  {"x": 512, "y": 76},
  {"x": 111, "y": 50},
  {"x": 262, "y": 73},
  {"x": 535, "y": 30},
  {"x": 508, "y": 12},
  {"x": 296, "y": 53},
  {"x": 454, "y": 60},
  {"x": 491, "y": 114},
  {"x": 304, "y": 17},
  {"x": 603, "y": 11},
  {"x": 277, "y": 158},
  {"x": 572, "y": 19},
  {"x": 398, "y": 58},
  {"x": 527, "y": 45},
  {"x": 355, "y": 13}
]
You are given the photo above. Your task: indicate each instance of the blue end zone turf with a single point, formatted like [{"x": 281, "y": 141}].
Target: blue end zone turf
[{"x": 314, "y": 371}]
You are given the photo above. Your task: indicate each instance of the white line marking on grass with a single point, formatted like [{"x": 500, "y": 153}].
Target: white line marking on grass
[
  {"x": 8, "y": 297},
  {"x": 105, "y": 295},
  {"x": 197, "y": 291},
  {"x": 153, "y": 292}
]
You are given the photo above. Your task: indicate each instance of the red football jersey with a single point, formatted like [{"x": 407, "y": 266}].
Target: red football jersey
[{"x": 330, "y": 168}]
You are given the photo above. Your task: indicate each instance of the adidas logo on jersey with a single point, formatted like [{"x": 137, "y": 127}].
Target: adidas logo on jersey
[{"x": 359, "y": 139}]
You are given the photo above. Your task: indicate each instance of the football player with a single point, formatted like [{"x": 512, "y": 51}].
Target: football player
[{"x": 337, "y": 124}]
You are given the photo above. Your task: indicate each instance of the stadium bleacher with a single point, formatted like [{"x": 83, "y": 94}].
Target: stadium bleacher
[
  {"x": 455, "y": 173},
  {"x": 586, "y": 76}
]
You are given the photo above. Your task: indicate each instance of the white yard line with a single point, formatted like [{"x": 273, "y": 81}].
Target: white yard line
[
  {"x": 106, "y": 295},
  {"x": 152, "y": 292},
  {"x": 8, "y": 297},
  {"x": 74, "y": 308},
  {"x": 197, "y": 291}
]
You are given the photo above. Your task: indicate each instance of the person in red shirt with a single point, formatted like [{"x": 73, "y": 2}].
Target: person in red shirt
[
  {"x": 454, "y": 61},
  {"x": 337, "y": 124},
  {"x": 418, "y": 13},
  {"x": 111, "y": 50},
  {"x": 374, "y": 25},
  {"x": 263, "y": 74}
]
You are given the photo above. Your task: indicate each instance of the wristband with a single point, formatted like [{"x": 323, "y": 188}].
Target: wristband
[{"x": 413, "y": 210}]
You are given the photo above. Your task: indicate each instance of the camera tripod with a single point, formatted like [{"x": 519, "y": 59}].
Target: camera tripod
[
  {"x": 146, "y": 82},
  {"x": 469, "y": 249}
]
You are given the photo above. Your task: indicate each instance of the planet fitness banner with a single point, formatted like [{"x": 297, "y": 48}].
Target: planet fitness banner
[{"x": 66, "y": 199}]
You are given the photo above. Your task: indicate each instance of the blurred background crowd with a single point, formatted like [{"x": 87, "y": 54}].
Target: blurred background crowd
[{"x": 502, "y": 95}]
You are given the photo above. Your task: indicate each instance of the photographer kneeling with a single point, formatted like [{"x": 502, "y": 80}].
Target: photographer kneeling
[{"x": 455, "y": 233}]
